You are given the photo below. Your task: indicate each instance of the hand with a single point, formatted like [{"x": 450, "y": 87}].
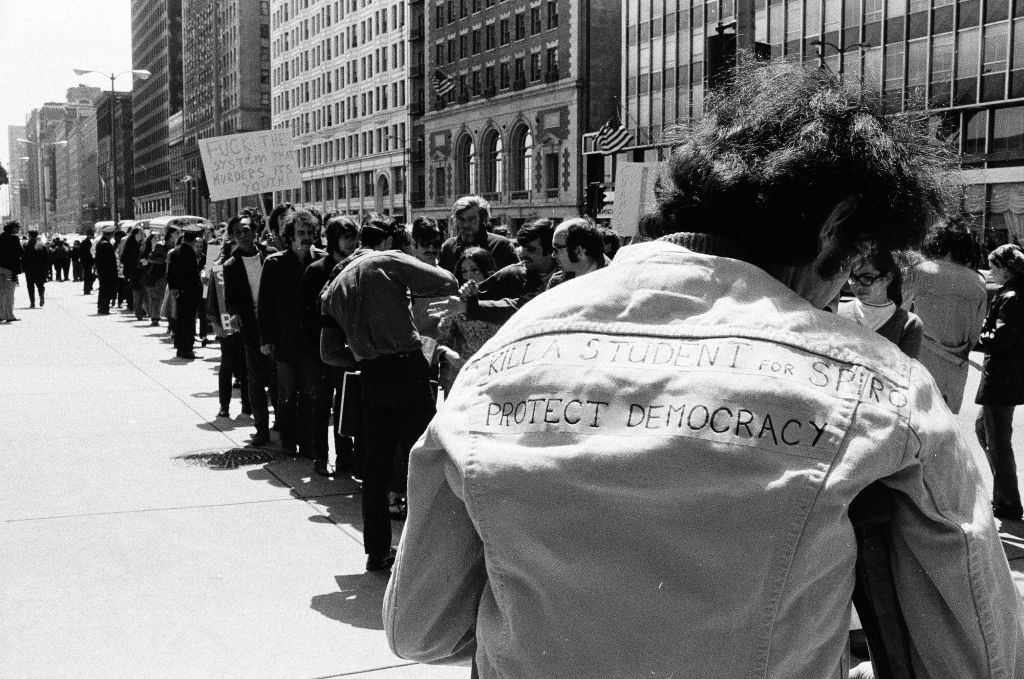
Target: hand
[
  {"x": 452, "y": 306},
  {"x": 267, "y": 349},
  {"x": 455, "y": 362},
  {"x": 862, "y": 671},
  {"x": 469, "y": 289}
]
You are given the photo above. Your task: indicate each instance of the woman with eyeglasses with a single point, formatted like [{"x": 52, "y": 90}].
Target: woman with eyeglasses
[
  {"x": 876, "y": 303},
  {"x": 1002, "y": 377}
]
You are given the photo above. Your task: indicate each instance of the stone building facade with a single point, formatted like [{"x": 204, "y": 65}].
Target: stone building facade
[{"x": 530, "y": 78}]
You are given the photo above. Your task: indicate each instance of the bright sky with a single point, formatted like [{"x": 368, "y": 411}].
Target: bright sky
[{"x": 42, "y": 41}]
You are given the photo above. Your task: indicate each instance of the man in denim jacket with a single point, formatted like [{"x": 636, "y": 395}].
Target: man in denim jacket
[{"x": 647, "y": 471}]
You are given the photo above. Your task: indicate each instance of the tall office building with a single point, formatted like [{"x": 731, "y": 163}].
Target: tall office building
[
  {"x": 960, "y": 62},
  {"x": 340, "y": 85},
  {"x": 156, "y": 47},
  {"x": 76, "y": 190},
  {"x": 512, "y": 88},
  {"x": 17, "y": 173},
  {"x": 226, "y": 69},
  {"x": 121, "y": 140}
]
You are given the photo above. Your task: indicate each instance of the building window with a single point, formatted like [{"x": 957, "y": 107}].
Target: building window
[
  {"x": 506, "y": 80},
  {"x": 552, "y": 14},
  {"x": 439, "y": 187},
  {"x": 1008, "y": 130},
  {"x": 439, "y": 16},
  {"x": 489, "y": 38},
  {"x": 552, "y": 62},
  {"x": 494, "y": 163},
  {"x": 463, "y": 46},
  {"x": 551, "y": 171},
  {"x": 506, "y": 35},
  {"x": 476, "y": 42},
  {"x": 465, "y": 167},
  {"x": 520, "y": 26},
  {"x": 522, "y": 158},
  {"x": 535, "y": 66},
  {"x": 535, "y": 26}
]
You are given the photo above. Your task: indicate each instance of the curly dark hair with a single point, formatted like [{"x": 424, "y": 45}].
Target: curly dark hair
[
  {"x": 955, "y": 239},
  {"x": 781, "y": 146}
]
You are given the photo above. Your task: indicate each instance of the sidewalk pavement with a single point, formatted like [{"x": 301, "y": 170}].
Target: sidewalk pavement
[{"x": 138, "y": 538}]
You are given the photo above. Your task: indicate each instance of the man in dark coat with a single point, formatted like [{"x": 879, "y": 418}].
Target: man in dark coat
[
  {"x": 35, "y": 261},
  {"x": 86, "y": 262},
  {"x": 186, "y": 286},
  {"x": 241, "y": 293},
  {"x": 472, "y": 213},
  {"x": 277, "y": 317},
  {"x": 106, "y": 270}
]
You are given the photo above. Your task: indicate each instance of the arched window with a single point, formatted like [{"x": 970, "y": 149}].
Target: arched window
[
  {"x": 465, "y": 166},
  {"x": 494, "y": 163},
  {"x": 522, "y": 159}
]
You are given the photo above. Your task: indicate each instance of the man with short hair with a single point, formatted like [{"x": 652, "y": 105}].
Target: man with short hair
[
  {"x": 651, "y": 474},
  {"x": 471, "y": 215},
  {"x": 86, "y": 261},
  {"x": 35, "y": 261},
  {"x": 242, "y": 273},
  {"x": 185, "y": 284},
  {"x": 578, "y": 245},
  {"x": 369, "y": 299},
  {"x": 278, "y": 317},
  {"x": 106, "y": 270}
]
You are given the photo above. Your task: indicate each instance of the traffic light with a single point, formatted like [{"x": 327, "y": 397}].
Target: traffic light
[{"x": 595, "y": 198}]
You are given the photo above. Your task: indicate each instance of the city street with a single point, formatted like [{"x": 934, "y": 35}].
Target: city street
[{"x": 139, "y": 540}]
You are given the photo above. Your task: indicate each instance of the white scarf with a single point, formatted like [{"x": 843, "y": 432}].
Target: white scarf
[{"x": 868, "y": 315}]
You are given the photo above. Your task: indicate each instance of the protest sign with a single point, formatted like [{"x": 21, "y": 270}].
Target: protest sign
[
  {"x": 249, "y": 163},
  {"x": 634, "y": 196}
]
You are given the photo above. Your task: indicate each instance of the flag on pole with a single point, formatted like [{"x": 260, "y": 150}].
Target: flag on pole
[
  {"x": 443, "y": 82},
  {"x": 613, "y": 136}
]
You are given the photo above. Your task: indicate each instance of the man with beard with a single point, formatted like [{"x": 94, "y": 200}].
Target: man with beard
[
  {"x": 106, "y": 270},
  {"x": 649, "y": 470},
  {"x": 184, "y": 282},
  {"x": 278, "y": 316},
  {"x": 471, "y": 215},
  {"x": 342, "y": 237}
]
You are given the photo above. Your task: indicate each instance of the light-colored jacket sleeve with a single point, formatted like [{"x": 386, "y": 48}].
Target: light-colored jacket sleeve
[
  {"x": 963, "y": 613},
  {"x": 431, "y": 602}
]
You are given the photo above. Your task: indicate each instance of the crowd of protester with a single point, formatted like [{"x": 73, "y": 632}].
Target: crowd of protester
[{"x": 350, "y": 331}]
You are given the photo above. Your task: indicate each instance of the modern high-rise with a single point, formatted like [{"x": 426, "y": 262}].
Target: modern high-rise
[
  {"x": 77, "y": 192},
  {"x": 340, "y": 73},
  {"x": 961, "y": 62},
  {"x": 526, "y": 80},
  {"x": 17, "y": 173},
  {"x": 156, "y": 47},
  {"x": 226, "y": 71},
  {"x": 121, "y": 163}
]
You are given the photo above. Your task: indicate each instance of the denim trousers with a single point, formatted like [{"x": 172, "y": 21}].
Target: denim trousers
[{"x": 994, "y": 428}]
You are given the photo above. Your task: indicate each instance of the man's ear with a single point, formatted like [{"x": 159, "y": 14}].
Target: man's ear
[{"x": 842, "y": 211}]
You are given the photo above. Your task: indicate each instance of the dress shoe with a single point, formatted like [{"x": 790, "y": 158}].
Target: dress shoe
[
  {"x": 260, "y": 438},
  {"x": 322, "y": 470},
  {"x": 223, "y": 412},
  {"x": 246, "y": 410},
  {"x": 154, "y": 323},
  {"x": 289, "y": 449},
  {"x": 380, "y": 562},
  {"x": 188, "y": 355}
]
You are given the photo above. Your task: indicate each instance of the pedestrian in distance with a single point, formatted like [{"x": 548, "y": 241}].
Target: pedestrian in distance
[
  {"x": 122, "y": 293},
  {"x": 106, "y": 270},
  {"x": 950, "y": 299},
  {"x": 154, "y": 275},
  {"x": 471, "y": 215},
  {"x": 130, "y": 256},
  {"x": 35, "y": 262},
  {"x": 1002, "y": 377},
  {"x": 60, "y": 259},
  {"x": 185, "y": 285},
  {"x": 648, "y": 470},
  {"x": 75, "y": 259},
  {"x": 10, "y": 267},
  {"x": 87, "y": 262}
]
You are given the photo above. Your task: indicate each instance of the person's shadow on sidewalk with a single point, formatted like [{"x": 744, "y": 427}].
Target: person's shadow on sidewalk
[{"x": 358, "y": 602}]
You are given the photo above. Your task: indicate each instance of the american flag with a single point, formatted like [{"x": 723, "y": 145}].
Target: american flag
[
  {"x": 443, "y": 83},
  {"x": 613, "y": 136}
]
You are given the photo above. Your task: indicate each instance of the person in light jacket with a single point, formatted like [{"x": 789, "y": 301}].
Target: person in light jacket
[
  {"x": 647, "y": 471},
  {"x": 949, "y": 297}
]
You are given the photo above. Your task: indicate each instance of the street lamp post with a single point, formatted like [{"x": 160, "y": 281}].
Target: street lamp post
[
  {"x": 141, "y": 74},
  {"x": 822, "y": 44},
  {"x": 42, "y": 173}
]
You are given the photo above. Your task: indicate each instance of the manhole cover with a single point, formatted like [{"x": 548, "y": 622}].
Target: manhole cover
[{"x": 233, "y": 458}]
